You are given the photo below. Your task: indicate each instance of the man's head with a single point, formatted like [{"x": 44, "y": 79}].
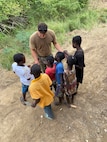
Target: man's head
[
  {"x": 42, "y": 28},
  {"x": 36, "y": 70}
]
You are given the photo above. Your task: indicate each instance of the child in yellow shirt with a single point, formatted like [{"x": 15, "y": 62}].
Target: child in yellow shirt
[{"x": 40, "y": 91}]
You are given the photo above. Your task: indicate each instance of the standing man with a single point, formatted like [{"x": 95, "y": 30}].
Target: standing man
[{"x": 40, "y": 44}]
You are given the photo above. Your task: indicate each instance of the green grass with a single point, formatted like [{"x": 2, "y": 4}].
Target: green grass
[{"x": 19, "y": 40}]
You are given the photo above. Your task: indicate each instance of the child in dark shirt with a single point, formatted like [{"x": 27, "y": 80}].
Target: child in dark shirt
[{"x": 79, "y": 56}]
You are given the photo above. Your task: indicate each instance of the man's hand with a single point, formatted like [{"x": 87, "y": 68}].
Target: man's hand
[{"x": 36, "y": 62}]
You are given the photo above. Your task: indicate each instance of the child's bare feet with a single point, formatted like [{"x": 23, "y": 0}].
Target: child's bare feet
[{"x": 22, "y": 100}]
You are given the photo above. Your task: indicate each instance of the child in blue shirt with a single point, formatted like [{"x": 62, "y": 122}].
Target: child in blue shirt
[{"x": 59, "y": 77}]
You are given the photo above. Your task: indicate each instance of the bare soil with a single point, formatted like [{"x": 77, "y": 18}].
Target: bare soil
[{"x": 86, "y": 123}]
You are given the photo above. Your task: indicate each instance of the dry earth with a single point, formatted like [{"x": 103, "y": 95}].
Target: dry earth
[{"x": 86, "y": 123}]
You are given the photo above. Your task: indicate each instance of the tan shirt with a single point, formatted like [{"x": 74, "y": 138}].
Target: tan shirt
[{"x": 42, "y": 46}]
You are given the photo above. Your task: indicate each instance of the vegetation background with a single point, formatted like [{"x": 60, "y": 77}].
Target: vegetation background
[
  {"x": 87, "y": 123},
  {"x": 19, "y": 19}
]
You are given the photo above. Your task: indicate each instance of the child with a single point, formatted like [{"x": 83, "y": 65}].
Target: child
[
  {"x": 79, "y": 56},
  {"x": 23, "y": 72},
  {"x": 51, "y": 69},
  {"x": 40, "y": 91},
  {"x": 70, "y": 82},
  {"x": 59, "y": 77}
]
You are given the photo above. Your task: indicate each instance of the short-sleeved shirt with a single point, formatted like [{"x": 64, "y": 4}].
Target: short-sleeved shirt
[
  {"x": 42, "y": 45},
  {"x": 59, "y": 70},
  {"x": 79, "y": 56},
  {"x": 23, "y": 72},
  {"x": 70, "y": 82},
  {"x": 40, "y": 89},
  {"x": 51, "y": 72}
]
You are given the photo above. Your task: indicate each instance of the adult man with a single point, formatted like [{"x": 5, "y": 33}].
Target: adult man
[{"x": 40, "y": 44}]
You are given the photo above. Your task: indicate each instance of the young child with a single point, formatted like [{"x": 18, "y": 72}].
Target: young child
[
  {"x": 59, "y": 77},
  {"x": 40, "y": 91},
  {"x": 79, "y": 56},
  {"x": 23, "y": 72},
  {"x": 70, "y": 81},
  {"x": 51, "y": 69}
]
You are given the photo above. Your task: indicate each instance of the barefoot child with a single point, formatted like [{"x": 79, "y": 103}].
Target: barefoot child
[
  {"x": 70, "y": 81},
  {"x": 23, "y": 72},
  {"x": 79, "y": 56},
  {"x": 59, "y": 77},
  {"x": 40, "y": 91}
]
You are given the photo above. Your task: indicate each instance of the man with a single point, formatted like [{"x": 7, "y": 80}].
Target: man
[{"x": 40, "y": 44}]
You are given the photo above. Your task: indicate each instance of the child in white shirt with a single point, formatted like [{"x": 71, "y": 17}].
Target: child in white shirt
[{"x": 23, "y": 72}]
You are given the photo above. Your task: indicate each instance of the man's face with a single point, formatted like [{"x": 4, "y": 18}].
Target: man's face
[{"x": 42, "y": 35}]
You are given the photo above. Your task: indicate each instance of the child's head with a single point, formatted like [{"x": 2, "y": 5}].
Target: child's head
[
  {"x": 59, "y": 56},
  {"x": 36, "y": 70},
  {"x": 76, "y": 41},
  {"x": 50, "y": 60},
  {"x": 19, "y": 58},
  {"x": 70, "y": 61}
]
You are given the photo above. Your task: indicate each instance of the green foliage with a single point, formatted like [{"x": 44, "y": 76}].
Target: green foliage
[
  {"x": 7, "y": 56},
  {"x": 52, "y": 9},
  {"x": 103, "y": 16},
  {"x": 23, "y": 38},
  {"x": 12, "y": 45},
  {"x": 85, "y": 19},
  {"x": 10, "y": 7},
  {"x": 83, "y": 3},
  {"x": 62, "y": 16}
]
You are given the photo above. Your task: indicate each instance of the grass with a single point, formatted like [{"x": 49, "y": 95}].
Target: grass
[{"x": 19, "y": 41}]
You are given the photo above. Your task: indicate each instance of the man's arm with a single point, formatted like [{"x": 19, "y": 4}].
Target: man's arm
[
  {"x": 58, "y": 47},
  {"x": 34, "y": 55}
]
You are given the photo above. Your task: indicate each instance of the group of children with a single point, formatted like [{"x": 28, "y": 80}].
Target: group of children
[{"x": 64, "y": 82}]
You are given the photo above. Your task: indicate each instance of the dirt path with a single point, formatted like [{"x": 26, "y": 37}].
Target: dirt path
[{"x": 87, "y": 123}]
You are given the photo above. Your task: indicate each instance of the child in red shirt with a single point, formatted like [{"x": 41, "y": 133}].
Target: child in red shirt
[{"x": 51, "y": 69}]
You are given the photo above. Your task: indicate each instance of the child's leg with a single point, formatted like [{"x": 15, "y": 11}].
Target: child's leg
[
  {"x": 67, "y": 99},
  {"x": 24, "y": 91},
  {"x": 48, "y": 112},
  {"x": 24, "y": 96},
  {"x": 72, "y": 98},
  {"x": 59, "y": 94},
  {"x": 77, "y": 85}
]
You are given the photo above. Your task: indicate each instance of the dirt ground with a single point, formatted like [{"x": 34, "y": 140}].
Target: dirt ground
[{"x": 86, "y": 123}]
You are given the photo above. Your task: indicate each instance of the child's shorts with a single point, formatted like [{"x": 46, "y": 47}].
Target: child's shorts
[{"x": 24, "y": 88}]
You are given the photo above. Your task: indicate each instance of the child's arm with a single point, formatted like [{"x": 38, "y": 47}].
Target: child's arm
[{"x": 36, "y": 101}]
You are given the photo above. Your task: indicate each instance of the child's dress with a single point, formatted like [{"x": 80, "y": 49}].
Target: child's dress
[{"x": 70, "y": 82}]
